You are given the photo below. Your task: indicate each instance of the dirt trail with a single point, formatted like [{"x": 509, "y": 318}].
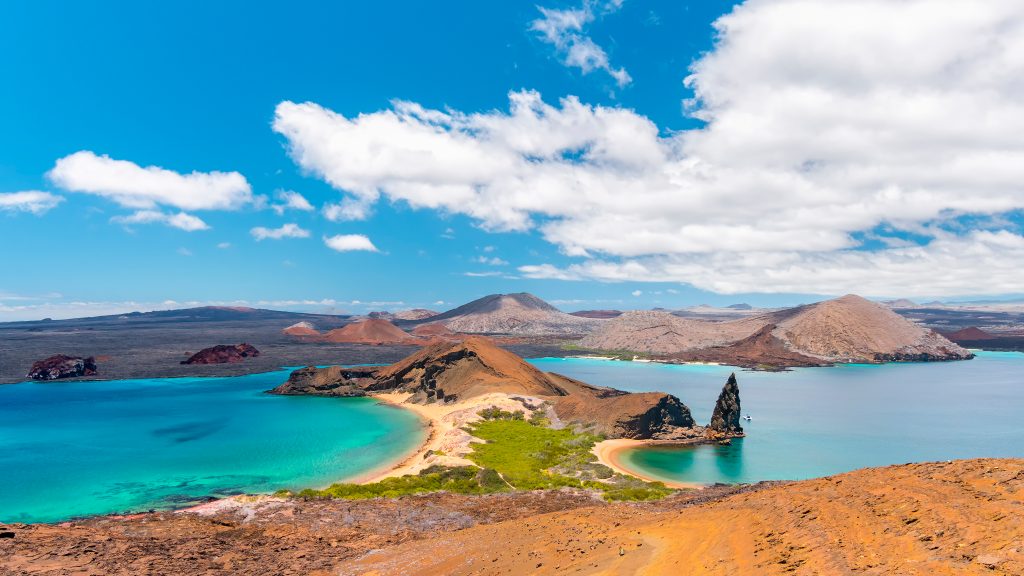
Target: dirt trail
[{"x": 959, "y": 518}]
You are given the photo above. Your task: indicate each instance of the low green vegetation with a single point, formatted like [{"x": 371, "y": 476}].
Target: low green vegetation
[
  {"x": 518, "y": 453},
  {"x": 459, "y": 480}
]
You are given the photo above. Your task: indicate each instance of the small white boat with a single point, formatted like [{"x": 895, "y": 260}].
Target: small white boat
[{"x": 747, "y": 418}]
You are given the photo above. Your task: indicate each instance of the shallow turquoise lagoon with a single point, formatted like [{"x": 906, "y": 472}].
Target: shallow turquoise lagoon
[
  {"x": 814, "y": 422},
  {"x": 75, "y": 448}
]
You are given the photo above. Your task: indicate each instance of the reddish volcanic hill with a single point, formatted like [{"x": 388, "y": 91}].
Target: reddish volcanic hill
[
  {"x": 433, "y": 330},
  {"x": 449, "y": 372},
  {"x": 459, "y": 370},
  {"x": 372, "y": 331},
  {"x": 972, "y": 334}
]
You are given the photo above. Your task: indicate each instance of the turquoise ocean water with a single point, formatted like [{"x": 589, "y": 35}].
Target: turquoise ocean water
[
  {"x": 814, "y": 422},
  {"x": 75, "y": 448}
]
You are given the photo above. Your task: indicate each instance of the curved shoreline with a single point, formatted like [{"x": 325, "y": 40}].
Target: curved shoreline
[
  {"x": 408, "y": 463},
  {"x": 609, "y": 452}
]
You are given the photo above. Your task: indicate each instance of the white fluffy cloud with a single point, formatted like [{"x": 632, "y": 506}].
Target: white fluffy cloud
[
  {"x": 31, "y": 201},
  {"x": 566, "y": 31},
  {"x": 349, "y": 243},
  {"x": 134, "y": 186},
  {"x": 290, "y": 200},
  {"x": 181, "y": 220},
  {"x": 902, "y": 118},
  {"x": 284, "y": 231}
]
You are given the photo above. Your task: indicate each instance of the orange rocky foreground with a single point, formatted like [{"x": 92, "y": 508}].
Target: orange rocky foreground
[
  {"x": 964, "y": 517},
  {"x": 960, "y": 518}
]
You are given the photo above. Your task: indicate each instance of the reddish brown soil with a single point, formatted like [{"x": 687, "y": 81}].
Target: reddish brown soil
[{"x": 939, "y": 519}]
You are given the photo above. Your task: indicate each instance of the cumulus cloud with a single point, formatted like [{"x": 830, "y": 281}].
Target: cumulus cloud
[
  {"x": 31, "y": 201},
  {"x": 134, "y": 186},
  {"x": 349, "y": 243},
  {"x": 290, "y": 200},
  {"x": 181, "y": 220},
  {"x": 566, "y": 31},
  {"x": 346, "y": 210},
  {"x": 904, "y": 118},
  {"x": 284, "y": 231}
]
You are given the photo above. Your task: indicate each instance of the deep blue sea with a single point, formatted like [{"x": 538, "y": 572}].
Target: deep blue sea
[
  {"x": 75, "y": 448},
  {"x": 812, "y": 422}
]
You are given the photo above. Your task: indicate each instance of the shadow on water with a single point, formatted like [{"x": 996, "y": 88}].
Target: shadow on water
[{"x": 190, "y": 431}]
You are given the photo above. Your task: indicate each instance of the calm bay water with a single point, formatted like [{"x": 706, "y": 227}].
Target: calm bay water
[
  {"x": 75, "y": 448},
  {"x": 814, "y": 422}
]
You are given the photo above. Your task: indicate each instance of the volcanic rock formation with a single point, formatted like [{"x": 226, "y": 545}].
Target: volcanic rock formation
[
  {"x": 61, "y": 366},
  {"x": 455, "y": 371},
  {"x": 223, "y": 354},
  {"x": 726, "y": 417}
]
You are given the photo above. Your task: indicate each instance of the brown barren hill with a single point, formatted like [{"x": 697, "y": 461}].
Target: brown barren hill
[
  {"x": 453, "y": 371},
  {"x": 463, "y": 370},
  {"x": 660, "y": 332},
  {"x": 372, "y": 331},
  {"x": 852, "y": 329},
  {"x": 847, "y": 329},
  {"x": 935, "y": 519},
  {"x": 519, "y": 314}
]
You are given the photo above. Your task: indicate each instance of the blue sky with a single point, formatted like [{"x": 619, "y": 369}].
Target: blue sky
[{"x": 199, "y": 86}]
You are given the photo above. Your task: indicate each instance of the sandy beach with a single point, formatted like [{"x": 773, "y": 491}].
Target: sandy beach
[
  {"x": 608, "y": 453},
  {"x": 447, "y": 443}
]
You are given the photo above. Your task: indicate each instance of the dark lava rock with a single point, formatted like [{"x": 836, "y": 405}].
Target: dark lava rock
[
  {"x": 61, "y": 366},
  {"x": 223, "y": 354},
  {"x": 726, "y": 417},
  {"x": 329, "y": 381},
  {"x": 663, "y": 419}
]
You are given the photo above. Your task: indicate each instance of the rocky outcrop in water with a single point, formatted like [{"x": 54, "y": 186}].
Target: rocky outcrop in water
[
  {"x": 329, "y": 381},
  {"x": 726, "y": 417},
  {"x": 61, "y": 366},
  {"x": 223, "y": 354}
]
